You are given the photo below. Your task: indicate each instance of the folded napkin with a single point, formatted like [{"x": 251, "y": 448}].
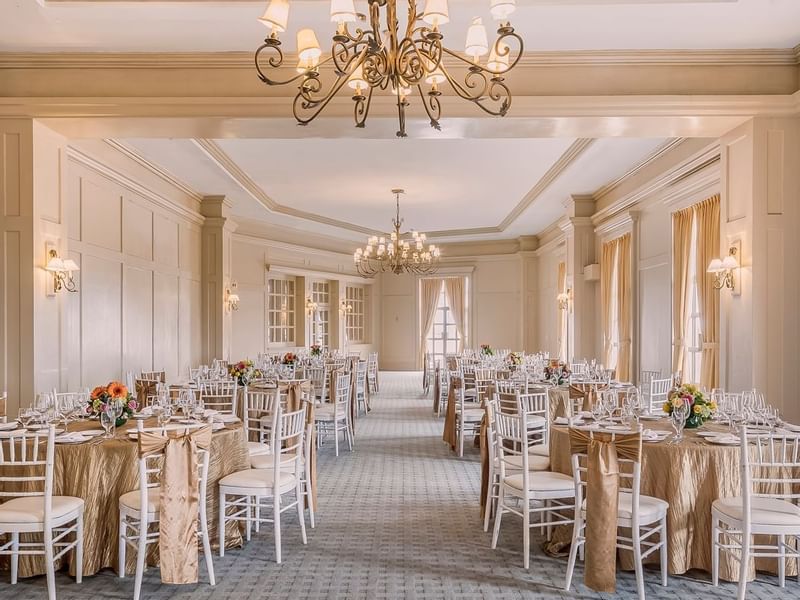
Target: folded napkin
[
  {"x": 725, "y": 438},
  {"x": 147, "y": 411},
  {"x": 72, "y": 438},
  {"x": 652, "y": 435},
  {"x": 210, "y": 412},
  {"x": 565, "y": 421},
  {"x": 225, "y": 418}
]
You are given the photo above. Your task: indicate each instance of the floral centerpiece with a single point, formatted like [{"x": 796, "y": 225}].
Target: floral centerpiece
[
  {"x": 557, "y": 372},
  {"x": 514, "y": 359},
  {"x": 289, "y": 358},
  {"x": 244, "y": 372},
  {"x": 700, "y": 408},
  {"x": 315, "y": 350},
  {"x": 487, "y": 350},
  {"x": 115, "y": 392}
]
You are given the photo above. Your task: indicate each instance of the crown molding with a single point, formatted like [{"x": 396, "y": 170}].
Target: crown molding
[
  {"x": 134, "y": 186},
  {"x": 662, "y": 150},
  {"x": 555, "y": 58}
]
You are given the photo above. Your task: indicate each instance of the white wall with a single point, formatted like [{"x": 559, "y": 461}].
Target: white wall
[
  {"x": 547, "y": 313},
  {"x": 139, "y": 301}
]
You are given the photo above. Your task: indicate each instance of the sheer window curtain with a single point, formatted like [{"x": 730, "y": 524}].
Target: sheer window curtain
[
  {"x": 454, "y": 288},
  {"x": 707, "y": 227},
  {"x": 429, "y": 291},
  {"x": 681, "y": 247},
  {"x": 563, "y": 313}
]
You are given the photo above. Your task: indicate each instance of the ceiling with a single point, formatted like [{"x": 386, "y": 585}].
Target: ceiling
[
  {"x": 189, "y": 26},
  {"x": 457, "y": 190}
]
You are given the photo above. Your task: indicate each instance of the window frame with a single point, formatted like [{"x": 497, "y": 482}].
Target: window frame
[{"x": 286, "y": 294}]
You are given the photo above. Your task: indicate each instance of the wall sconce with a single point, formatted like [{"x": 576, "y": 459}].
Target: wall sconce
[
  {"x": 564, "y": 299},
  {"x": 311, "y": 306},
  {"x": 345, "y": 308},
  {"x": 231, "y": 297},
  {"x": 62, "y": 271},
  {"x": 723, "y": 269}
]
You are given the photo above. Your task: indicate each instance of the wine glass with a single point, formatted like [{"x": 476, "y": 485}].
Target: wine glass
[
  {"x": 163, "y": 415},
  {"x": 108, "y": 419},
  {"x": 678, "y": 417}
]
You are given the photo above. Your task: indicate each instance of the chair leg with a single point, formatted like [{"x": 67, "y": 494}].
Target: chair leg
[
  {"x": 141, "y": 555},
  {"x": 497, "y": 518},
  {"x": 221, "y": 524},
  {"x": 309, "y": 498},
  {"x": 79, "y": 549},
  {"x": 526, "y": 533},
  {"x": 573, "y": 551},
  {"x": 781, "y": 561},
  {"x": 663, "y": 551},
  {"x": 249, "y": 520},
  {"x": 206, "y": 543},
  {"x": 50, "y": 564},
  {"x": 14, "y": 557},
  {"x": 460, "y": 433},
  {"x": 276, "y": 516},
  {"x": 715, "y": 534},
  {"x": 258, "y": 517},
  {"x": 300, "y": 511},
  {"x": 336, "y": 438},
  {"x": 744, "y": 565},
  {"x": 487, "y": 509},
  {"x": 637, "y": 560}
]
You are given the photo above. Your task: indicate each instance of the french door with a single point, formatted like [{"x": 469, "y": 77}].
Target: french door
[{"x": 443, "y": 337}]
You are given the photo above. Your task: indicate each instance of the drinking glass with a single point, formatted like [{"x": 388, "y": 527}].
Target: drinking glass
[
  {"x": 163, "y": 415},
  {"x": 678, "y": 418},
  {"x": 107, "y": 420}
]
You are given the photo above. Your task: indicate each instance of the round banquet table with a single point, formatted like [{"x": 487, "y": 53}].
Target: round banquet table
[
  {"x": 690, "y": 476},
  {"x": 102, "y": 470}
]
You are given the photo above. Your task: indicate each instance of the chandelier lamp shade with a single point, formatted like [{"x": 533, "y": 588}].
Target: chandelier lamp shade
[
  {"x": 398, "y": 252},
  {"x": 381, "y": 57}
]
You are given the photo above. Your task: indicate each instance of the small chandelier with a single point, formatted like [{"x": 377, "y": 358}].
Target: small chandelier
[
  {"x": 397, "y": 255},
  {"x": 382, "y": 56}
]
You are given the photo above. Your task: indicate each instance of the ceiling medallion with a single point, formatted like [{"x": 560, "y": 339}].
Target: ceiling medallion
[
  {"x": 384, "y": 57},
  {"x": 397, "y": 254}
]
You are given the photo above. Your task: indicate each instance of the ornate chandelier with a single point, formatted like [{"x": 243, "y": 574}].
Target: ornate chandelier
[
  {"x": 397, "y": 255},
  {"x": 382, "y": 56}
]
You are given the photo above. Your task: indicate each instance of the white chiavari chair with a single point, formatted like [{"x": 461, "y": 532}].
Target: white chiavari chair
[
  {"x": 372, "y": 372},
  {"x": 468, "y": 413},
  {"x": 768, "y": 506},
  {"x": 334, "y": 417},
  {"x": 483, "y": 380},
  {"x": 578, "y": 369},
  {"x": 26, "y": 476},
  {"x": 659, "y": 391},
  {"x": 644, "y": 516},
  {"x": 259, "y": 406},
  {"x": 524, "y": 492},
  {"x": 361, "y": 386},
  {"x": 219, "y": 395},
  {"x": 141, "y": 508},
  {"x": 318, "y": 376},
  {"x": 535, "y": 406},
  {"x": 509, "y": 386},
  {"x": 444, "y": 383},
  {"x": 248, "y": 489},
  {"x": 157, "y": 376}
]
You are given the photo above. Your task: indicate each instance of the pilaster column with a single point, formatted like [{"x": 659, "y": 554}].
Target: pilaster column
[
  {"x": 760, "y": 210},
  {"x": 528, "y": 286},
  {"x": 216, "y": 252},
  {"x": 580, "y": 243},
  {"x": 636, "y": 339}
]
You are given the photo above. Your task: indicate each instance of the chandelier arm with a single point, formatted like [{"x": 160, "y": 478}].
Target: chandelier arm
[
  {"x": 432, "y": 107},
  {"x": 463, "y": 91},
  {"x": 361, "y": 108},
  {"x": 274, "y": 63},
  {"x": 341, "y": 51},
  {"x": 375, "y": 21},
  {"x": 411, "y": 63},
  {"x": 304, "y": 100},
  {"x": 401, "y": 113},
  {"x": 503, "y": 34},
  {"x": 412, "y": 18}
]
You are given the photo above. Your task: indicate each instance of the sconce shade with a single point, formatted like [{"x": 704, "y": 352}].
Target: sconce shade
[
  {"x": 56, "y": 264},
  {"x": 715, "y": 266},
  {"x": 71, "y": 266},
  {"x": 730, "y": 262}
]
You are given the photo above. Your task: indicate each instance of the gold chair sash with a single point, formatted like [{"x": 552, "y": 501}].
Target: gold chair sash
[
  {"x": 143, "y": 390},
  {"x": 294, "y": 402},
  {"x": 179, "y": 499},
  {"x": 602, "y": 496}
]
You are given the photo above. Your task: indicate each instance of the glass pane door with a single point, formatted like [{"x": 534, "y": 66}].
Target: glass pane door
[{"x": 443, "y": 338}]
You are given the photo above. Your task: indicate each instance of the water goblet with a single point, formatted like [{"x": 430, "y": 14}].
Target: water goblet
[
  {"x": 108, "y": 420},
  {"x": 678, "y": 417}
]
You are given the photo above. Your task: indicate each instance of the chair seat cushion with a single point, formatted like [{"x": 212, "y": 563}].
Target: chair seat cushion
[
  {"x": 539, "y": 450},
  {"x": 258, "y": 479},
  {"x": 763, "y": 511},
  {"x": 472, "y": 414},
  {"x": 257, "y": 448},
  {"x": 31, "y": 509},
  {"x": 325, "y": 413},
  {"x": 535, "y": 462},
  {"x": 650, "y": 509},
  {"x": 543, "y": 481},
  {"x": 267, "y": 461},
  {"x": 131, "y": 500}
]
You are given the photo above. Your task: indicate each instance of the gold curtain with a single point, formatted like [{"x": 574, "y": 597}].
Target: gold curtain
[
  {"x": 624, "y": 299},
  {"x": 607, "y": 257},
  {"x": 563, "y": 313},
  {"x": 454, "y": 288},
  {"x": 707, "y": 226},
  {"x": 681, "y": 245},
  {"x": 429, "y": 298}
]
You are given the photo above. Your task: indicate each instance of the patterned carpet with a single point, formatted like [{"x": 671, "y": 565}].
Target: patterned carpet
[{"x": 398, "y": 519}]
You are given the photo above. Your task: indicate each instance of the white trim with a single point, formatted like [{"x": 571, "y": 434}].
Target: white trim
[{"x": 316, "y": 274}]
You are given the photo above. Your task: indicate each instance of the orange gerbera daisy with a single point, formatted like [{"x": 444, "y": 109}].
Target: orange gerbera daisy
[
  {"x": 96, "y": 392},
  {"x": 117, "y": 390}
]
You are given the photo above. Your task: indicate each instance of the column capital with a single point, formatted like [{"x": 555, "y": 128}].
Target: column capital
[{"x": 215, "y": 206}]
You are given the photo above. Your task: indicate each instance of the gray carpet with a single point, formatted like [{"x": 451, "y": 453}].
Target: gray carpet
[{"x": 398, "y": 519}]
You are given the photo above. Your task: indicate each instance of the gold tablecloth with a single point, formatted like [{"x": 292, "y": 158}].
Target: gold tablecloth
[
  {"x": 690, "y": 476},
  {"x": 100, "y": 471}
]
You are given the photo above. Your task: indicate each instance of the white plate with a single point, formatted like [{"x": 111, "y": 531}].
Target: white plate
[
  {"x": 91, "y": 432},
  {"x": 723, "y": 441},
  {"x": 650, "y": 417},
  {"x": 619, "y": 428},
  {"x": 708, "y": 434}
]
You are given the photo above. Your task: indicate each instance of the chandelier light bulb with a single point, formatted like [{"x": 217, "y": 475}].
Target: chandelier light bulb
[
  {"x": 502, "y": 9},
  {"x": 477, "y": 42},
  {"x": 276, "y": 16},
  {"x": 498, "y": 58},
  {"x": 436, "y": 13},
  {"x": 343, "y": 11},
  {"x": 307, "y": 45}
]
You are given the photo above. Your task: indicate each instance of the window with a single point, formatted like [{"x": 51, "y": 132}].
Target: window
[
  {"x": 320, "y": 324},
  {"x": 693, "y": 328},
  {"x": 443, "y": 338},
  {"x": 280, "y": 311},
  {"x": 356, "y": 320}
]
